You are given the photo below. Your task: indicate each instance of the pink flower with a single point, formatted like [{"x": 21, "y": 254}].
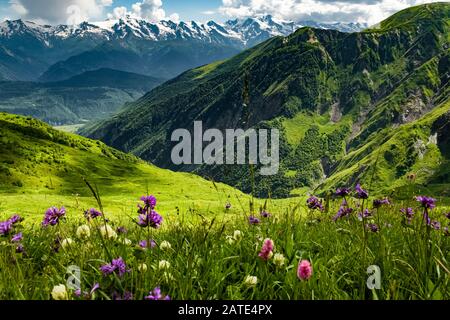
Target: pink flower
[
  {"x": 304, "y": 271},
  {"x": 266, "y": 250}
]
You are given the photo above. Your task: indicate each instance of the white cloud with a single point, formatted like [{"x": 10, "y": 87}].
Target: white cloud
[
  {"x": 369, "y": 11},
  {"x": 151, "y": 10},
  {"x": 208, "y": 12},
  {"x": 59, "y": 11}
]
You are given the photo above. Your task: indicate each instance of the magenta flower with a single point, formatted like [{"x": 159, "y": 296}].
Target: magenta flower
[
  {"x": 304, "y": 270},
  {"x": 92, "y": 213},
  {"x": 314, "y": 203},
  {"x": 361, "y": 193},
  {"x": 156, "y": 295},
  {"x": 117, "y": 266},
  {"x": 53, "y": 215},
  {"x": 267, "y": 250}
]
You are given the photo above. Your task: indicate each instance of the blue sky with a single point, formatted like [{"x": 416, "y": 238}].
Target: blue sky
[{"x": 62, "y": 11}]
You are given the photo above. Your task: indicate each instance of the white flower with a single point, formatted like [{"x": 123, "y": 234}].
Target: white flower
[
  {"x": 108, "y": 232},
  {"x": 59, "y": 292},
  {"x": 237, "y": 235},
  {"x": 251, "y": 281},
  {"x": 142, "y": 267},
  {"x": 230, "y": 240},
  {"x": 165, "y": 245},
  {"x": 83, "y": 232},
  {"x": 279, "y": 259},
  {"x": 163, "y": 264},
  {"x": 66, "y": 243},
  {"x": 127, "y": 242}
]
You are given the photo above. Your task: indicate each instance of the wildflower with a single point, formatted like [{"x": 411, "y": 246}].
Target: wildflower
[
  {"x": 15, "y": 219},
  {"x": 142, "y": 267},
  {"x": 379, "y": 202},
  {"x": 144, "y": 244},
  {"x": 165, "y": 245},
  {"x": 92, "y": 214},
  {"x": 59, "y": 292},
  {"x": 152, "y": 219},
  {"x": 117, "y": 266},
  {"x": 342, "y": 192},
  {"x": 427, "y": 202},
  {"x": 364, "y": 215},
  {"x": 20, "y": 249},
  {"x": 163, "y": 264},
  {"x": 66, "y": 243},
  {"x": 314, "y": 203},
  {"x": 149, "y": 201},
  {"x": 265, "y": 214},
  {"x": 250, "y": 281},
  {"x": 83, "y": 232},
  {"x": 409, "y": 214},
  {"x": 5, "y": 227},
  {"x": 436, "y": 225},
  {"x": 122, "y": 230},
  {"x": 107, "y": 232},
  {"x": 253, "y": 220},
  {"x": 304, "y": 270},
  {"x": 230, "y": 240},
  {"x": 87, "y": 295},
  {"x": 279, "y": 260},
  {"x": 237, "y": 235},
  {"x": 343, "y": 212},
  {"x": 361, "y": 193},
  {"x": 53, "y": 215},
  {"x": 127, "y": 296},
  {"x": 267, "y": 250},
  {"x": 372, "y": 227},
  {"x": 156, "y": 295}
]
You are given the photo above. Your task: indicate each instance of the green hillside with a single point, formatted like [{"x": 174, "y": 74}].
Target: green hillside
[
  {"x": 41, "y": 167},
  {"x": 335, "y": 96},
  {"x": 93, "y": 95}
]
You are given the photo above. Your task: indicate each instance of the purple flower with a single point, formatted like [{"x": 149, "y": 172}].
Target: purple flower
[
  {"x": 409, "y": 214},
  {"x": 427, "y": 202},
  {"x": 156, "y": 295},
  {"x": 117, "y": 265},
  {"x": 343, "y": 212},
  {"x": 144, "y": 244},
  {"x": 122, "y": 230},
  {"x": 379, "y": 202},
  {"x": 372, "y": 227},
  {"x": 20, "y": 249},
  {"x": 342, "y": 192},
  {"x": 436, "y": 225},
  {"x": 253, "y": 220},
  {"x": 5, "y": 227},
  {"x": 15, "y": 219},
  {"x": 92, "y": 213},
  {"x": 17, "y": 238},
  {"x": 152, "y": 219},
  {"x": 87, "y": 295},
  {"x": 314, "y": 203},
  {"x": 52, "y": 216},
  {"x": 265, "y": 214},
  {"x": 77, "y": 293},
  {"x": 149, "y": 201},
  {"x": 365, "y": 214},
  {"x": 361, "y": 193},
  {"x": 126, "y": 296}
]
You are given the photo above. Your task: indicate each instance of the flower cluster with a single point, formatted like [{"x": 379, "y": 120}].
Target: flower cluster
[
  {"x": 92, "y": 214},
  {"x": 361, "y": 193},
  {"x": 156, "y": 295},
  {"x": 344, "y": 211},
  {"x": 267, "y": 250},
  {"x": 409, "y": 214},
  {"x": 53, "y": 215},
  {"x": 377, "y": 203},
  {"x": 6, "y": 227},
  {"x": 304, "y": 270},
  {"x": 314, "y": 203},
  {"x": 117, "y": 266},
  {"x": 253, "y": 220},
  {"x": 147, "y": 215}
]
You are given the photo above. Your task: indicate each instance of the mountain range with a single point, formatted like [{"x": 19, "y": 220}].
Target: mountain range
[
  {"x": 29, "y": 51},
  {"x": 370, "y": 106}
]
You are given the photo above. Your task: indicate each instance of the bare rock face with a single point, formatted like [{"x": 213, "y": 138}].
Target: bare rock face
[{"x": 441, "y": 127}]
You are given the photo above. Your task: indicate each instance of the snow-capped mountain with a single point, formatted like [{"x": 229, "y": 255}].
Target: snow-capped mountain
[{"x": 240, "y": 32}]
